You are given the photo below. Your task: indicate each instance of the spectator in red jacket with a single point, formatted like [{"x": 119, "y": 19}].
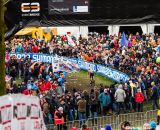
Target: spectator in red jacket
[
  {"x": 28, "y": 91},
  {"x": 139, "y": 98},
  {"x": 84, "y": 127},
  {"x": 42, "y": 86},
  {"x": 34, "y": 49}
]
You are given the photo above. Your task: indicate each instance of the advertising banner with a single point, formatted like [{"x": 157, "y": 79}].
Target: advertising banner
[
  {"x": 30, "y": 8},
  {"x": 83, "y": 65},
  {"x": 20, "y": 112},
  {"x": 64, "y": 7}
]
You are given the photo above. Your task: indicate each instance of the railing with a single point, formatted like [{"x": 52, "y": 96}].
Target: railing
[{"x": 136, "y": 119}]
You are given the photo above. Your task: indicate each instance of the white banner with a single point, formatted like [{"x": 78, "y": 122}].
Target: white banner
[{"x": 20, "y": 112}]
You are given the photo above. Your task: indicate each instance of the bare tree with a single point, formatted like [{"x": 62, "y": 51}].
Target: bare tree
[{"x": 2, "y": 49}]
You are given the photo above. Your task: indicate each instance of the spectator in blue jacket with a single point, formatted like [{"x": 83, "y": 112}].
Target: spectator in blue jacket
[{"x": 105, "y": 100}]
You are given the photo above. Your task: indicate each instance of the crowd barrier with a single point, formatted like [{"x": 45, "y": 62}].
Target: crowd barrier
[
  {"x": 83, "y": 65},
  {"x": 137, "y": 119}
]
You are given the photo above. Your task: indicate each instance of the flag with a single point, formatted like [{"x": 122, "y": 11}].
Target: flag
[
  {"x": 55, "y": 64},
  {"x": 70, "y": 41},
  {"x": 68, "y": 66},
  {"x": 158, "y": 48},
  {"x": 124, "y": 41},
  {"x": 61, "y": 64},
  {"x": 8, "y": 78}
]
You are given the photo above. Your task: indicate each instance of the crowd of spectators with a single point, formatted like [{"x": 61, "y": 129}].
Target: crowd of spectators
[
  {"x": 139, "y": 55},
  {"x": 137, "y": 59}
]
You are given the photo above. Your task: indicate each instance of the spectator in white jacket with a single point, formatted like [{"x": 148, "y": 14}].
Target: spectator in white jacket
[{"x": 120, "y": 98}]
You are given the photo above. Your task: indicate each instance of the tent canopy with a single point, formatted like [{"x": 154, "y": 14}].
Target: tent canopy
[{"x": 25, "y": 31}]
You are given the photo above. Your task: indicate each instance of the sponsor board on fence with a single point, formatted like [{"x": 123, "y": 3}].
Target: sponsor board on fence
[
  {"x": 20, "y": 112},
  {"x": 83, "y": 65}
]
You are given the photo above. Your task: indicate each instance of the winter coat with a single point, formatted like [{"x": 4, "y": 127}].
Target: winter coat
[
  {"x": 139, "y": 97},
  {"x": 82, "y": 105},
  {"x": 154, "y": 94},
  {"x": 19, "y": 49},
  {"x": 120, "y": 95},
  {"x": 105, "y": 99}
]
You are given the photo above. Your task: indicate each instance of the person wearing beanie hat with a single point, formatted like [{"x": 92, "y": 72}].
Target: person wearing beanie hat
[
  {"x": 108, "y": 127},
  {"x": 146, "y": 126},
  {"x": 152, "y": 125},
  {"x": 59, "y": 118},
  {"x": 152, "y": 83}
]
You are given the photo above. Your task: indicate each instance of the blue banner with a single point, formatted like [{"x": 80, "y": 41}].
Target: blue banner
[{"x": 83, "y": 65}]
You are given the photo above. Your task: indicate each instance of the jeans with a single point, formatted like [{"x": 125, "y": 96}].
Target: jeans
[
  {"x": 114, "y": 106},
  {"x": 71, "y": 114},
  {"x": 63, "y": 88},
  {"x": 87, "y": 111},
  {"x": 94, "y": 116},
  {"x": 119, "y": 106},
  {"x": 145, "y": 95},
  {"x": 82, "y": 117},
  {"x": 128, "y": 105},
  {"x": 105, "y": 110},
  {"x": 154, "y": 104},
  {"x": 60, "y": 127},
  {"x": 139, "y": 107}
]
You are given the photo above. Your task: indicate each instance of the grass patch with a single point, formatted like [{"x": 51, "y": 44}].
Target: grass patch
[{"x": 81, "y": 80}]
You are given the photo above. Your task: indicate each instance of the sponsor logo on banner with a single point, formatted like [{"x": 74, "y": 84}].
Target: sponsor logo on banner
[
  {"x": 83, "y": 65},
  {"x": 30, "y": 9},
  {"x": 80, "y": 9}
]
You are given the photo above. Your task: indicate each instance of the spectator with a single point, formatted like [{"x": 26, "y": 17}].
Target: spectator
[
  {"x": 108, "y": 127},
  {"x": 154, "y": 96},
  {"x": 74, "y": 128},
  {"x": 94, "y": 107},
  {"x": 146, "y": 126},
  {"x": 82, "y": 109},
  {"x": 138, "y": 60},
  {"x": 125, "y": 126},
  {"x": 158, "y": 117},
  {"x": 91, "y": 74},
  {"x": 58, "y": 118},
  {"x": 120, "y": 97},
  {"x": 152, "y": 125},
  {"x": 84, "y": 127},
  {"x": 105, "y": 100},
  {"x": 139, "y": 98},
  {"x": 71, "y": 108}
]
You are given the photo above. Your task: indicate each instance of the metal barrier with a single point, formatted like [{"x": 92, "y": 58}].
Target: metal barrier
[
  {"x": 151, "y": 115},
  {"x": 136, "y": 119}
]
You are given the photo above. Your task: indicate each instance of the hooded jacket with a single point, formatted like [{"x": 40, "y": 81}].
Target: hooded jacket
[
  {"x": 105, "y": 99},
  {"x": 120, "y": 94},
  {"x": 139, "y": 97}
]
